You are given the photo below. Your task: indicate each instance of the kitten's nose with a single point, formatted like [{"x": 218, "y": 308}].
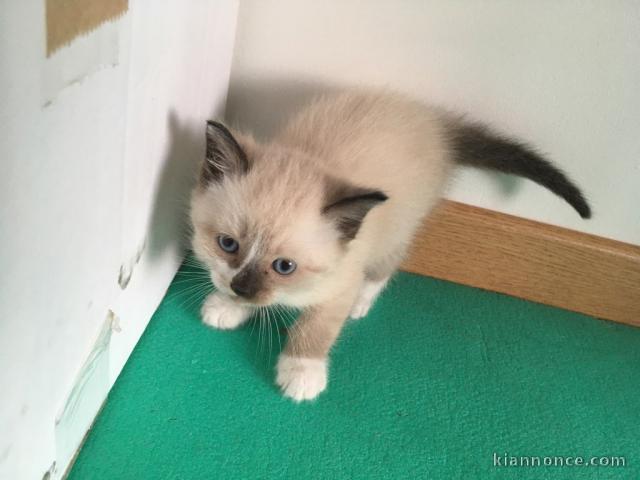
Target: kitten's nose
[
  {"x": 239, "y": 288},
  {"x": 245, "y": 284}
]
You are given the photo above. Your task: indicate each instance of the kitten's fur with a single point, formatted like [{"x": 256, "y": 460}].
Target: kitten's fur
[{"x": 341, "y": 191}]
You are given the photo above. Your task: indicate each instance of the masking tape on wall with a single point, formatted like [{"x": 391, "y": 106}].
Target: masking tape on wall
[{"x": 68, "y": 19}]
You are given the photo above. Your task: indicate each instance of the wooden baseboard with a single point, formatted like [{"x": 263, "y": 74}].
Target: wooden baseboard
[{"x": 530, "y": 260}]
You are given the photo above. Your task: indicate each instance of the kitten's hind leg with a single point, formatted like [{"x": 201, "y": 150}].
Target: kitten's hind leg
[
  {"x": 376, "y": 277},
  {"x": 369, "y": 291}
]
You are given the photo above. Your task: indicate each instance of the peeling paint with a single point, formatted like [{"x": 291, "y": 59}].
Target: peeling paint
[
  {"x": 115, "y": 322},
  {"x": 87, "y": 394},
  {"x": 141, "y": 249},
  {"x": 49, "y": 473},
  {"x": 126, "y": 270},
  {"x": 100, "y": 347},
  {"x": 124, "y": 276}
]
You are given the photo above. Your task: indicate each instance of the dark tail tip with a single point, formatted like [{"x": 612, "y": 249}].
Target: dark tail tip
[
  {"x": 581, "y": 205},
  {"x": 475, "y": 145}
]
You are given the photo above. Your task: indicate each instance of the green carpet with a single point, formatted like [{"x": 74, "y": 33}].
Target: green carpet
[{"x": 431, "y": 384}]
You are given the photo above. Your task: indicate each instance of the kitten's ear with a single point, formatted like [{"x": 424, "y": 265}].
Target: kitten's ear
[
  {"x": 347, "y": 205},
  {"x": 224, "y": 155}
]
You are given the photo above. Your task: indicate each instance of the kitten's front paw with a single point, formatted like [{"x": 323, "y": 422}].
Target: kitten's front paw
[
  {"x": 301, "y": 378},
  {"x": 220, "y": 312}
]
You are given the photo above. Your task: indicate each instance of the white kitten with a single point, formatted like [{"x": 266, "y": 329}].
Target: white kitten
[{"x": 320, "y": 217}]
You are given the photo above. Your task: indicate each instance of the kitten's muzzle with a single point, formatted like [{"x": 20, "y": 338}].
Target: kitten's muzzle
[{"x": 246, "y": 283}]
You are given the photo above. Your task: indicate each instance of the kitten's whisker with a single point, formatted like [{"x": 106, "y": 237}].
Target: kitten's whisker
[
  {"x": 267, "y": 330},
  {"x": 188, "y": 281},
  {"x": 185, "y": 291},
  {"x": 196, "y": 291},
  {"x": 264, "y": 332},
  {"x": 193, "y": 299},
  {"x": 198, "y": 297},
  {"x": 270, "y": 332},
  {"x": 277, "y": 312},
  {"x": 260, "y": 327},
  {"x": 192, "y": 271},
  {"x": 253, "y": 324}
]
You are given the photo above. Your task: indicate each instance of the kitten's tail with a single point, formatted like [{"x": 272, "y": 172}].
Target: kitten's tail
[{"x": 476, "y": 145}]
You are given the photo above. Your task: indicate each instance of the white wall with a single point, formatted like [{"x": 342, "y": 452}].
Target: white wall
[
  {"x": 95, "y": 171},
  {"x": 563, "y": 75}
]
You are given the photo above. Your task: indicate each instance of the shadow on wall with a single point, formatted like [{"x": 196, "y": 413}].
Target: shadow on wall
[
  {"x": 171, "y": 200},
  {"x": 262, "y": 107},
  {"x": 266, "y": 105}
]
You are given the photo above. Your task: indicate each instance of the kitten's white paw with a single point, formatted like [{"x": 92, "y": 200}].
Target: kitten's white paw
[
  {"x": 219, "y": 312},
  {"x": 301, "y": 378}
]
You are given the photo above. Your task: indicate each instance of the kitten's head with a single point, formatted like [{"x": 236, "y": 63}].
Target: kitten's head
[{"x": 269, "y": 223}]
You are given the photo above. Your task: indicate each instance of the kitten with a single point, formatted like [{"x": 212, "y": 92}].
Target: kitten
[{"x": 321, "y": 216}]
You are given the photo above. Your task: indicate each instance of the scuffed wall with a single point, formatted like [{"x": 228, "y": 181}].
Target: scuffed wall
[{"x": 98, "y": 148}]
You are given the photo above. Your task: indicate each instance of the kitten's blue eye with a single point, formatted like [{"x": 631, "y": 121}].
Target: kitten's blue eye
[
  {"x": 228, "y": 244},
  {"x": 284, "y": 266}
]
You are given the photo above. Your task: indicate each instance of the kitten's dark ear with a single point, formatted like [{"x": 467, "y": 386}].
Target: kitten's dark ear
[
  {"x": 347, "y": 205},
  {"x": 224, "y": 154}
]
